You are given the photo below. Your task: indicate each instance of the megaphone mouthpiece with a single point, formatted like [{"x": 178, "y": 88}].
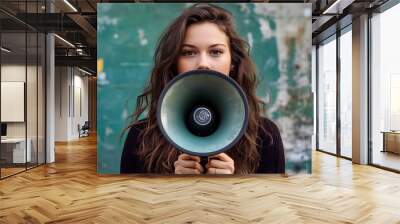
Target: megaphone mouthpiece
[
  {"x": 202, "y": 116},
  {"x": 202, "y": 121}
]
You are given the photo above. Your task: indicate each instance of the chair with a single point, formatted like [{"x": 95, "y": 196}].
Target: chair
[{"x": 84, "y": 130}]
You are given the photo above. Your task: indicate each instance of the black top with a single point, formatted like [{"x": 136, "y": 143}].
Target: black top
[{"x": 271, "y": 150}]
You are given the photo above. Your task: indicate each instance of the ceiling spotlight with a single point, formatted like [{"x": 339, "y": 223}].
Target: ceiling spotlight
[
  {"x": 84, "y": 71},
  {"x": 64, "y": 40},
  {"x": 71, "y": 6},
  {"x": 5, "y": 50},
  {"x": 337, "y": 7}
]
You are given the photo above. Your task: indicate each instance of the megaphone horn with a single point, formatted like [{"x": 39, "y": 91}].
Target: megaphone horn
[{"x": 202, "y": 112}]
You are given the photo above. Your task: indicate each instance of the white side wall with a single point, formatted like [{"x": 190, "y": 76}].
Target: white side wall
[{"x": 71, "y": 102}]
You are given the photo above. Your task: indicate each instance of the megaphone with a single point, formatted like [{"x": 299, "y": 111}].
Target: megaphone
[{"x": 202, "y": 112}]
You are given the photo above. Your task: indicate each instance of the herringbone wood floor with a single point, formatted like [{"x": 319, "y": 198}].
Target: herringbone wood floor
[{"x": 70, "y": 191}]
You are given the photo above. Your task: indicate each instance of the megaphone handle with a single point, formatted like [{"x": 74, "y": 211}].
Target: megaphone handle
[{"x": 203, "y": 162}]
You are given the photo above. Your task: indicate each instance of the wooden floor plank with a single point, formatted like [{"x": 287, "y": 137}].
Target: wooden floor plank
[{"x": 70, "y": 191}]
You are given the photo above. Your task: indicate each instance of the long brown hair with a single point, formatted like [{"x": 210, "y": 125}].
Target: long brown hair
[{"x": 156, "y": 152}]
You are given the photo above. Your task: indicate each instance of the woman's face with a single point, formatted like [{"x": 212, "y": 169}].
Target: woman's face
[{"x": 205, "y": 47}]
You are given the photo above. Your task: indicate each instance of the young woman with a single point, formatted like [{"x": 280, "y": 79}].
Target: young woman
[{"x": 202, "y": 37}]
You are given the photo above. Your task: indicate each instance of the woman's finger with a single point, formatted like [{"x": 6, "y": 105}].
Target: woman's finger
[
  {"x": 218, "y": 164},
  {"x": 218, "y": 171},
  {"x": 183, "y": 170},
  {"x": 185, "y": 156},
  {"x": 215, "y": 163},
  {"x": 223, "y": 157},
  {"x": 189, "y": 164}
]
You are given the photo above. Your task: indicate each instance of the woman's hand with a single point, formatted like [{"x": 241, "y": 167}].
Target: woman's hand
[
  {"x": 187, "y": 164},
  {"x": 220, "y": 164}
]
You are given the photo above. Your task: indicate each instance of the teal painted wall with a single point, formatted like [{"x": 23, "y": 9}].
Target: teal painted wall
[{"x": 280, "y": 40}]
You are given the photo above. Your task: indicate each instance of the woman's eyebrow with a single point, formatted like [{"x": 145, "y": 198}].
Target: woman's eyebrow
[
  {"x": 215, "y": 45},
  {"x": 193, "y": 46},
  {"x": 188, "y": 45}
]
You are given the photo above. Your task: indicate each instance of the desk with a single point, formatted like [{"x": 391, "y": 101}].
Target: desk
[
  {"x": 16, "y": 147},
  {"x": 391, "y": 141}
]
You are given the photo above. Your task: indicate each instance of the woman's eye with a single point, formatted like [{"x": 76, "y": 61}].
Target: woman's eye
[
  {"x": 216, "y": 52},
  {"x": 188, "y": 53}
]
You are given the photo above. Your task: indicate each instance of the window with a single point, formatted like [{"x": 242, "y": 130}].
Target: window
[
  {"x": 327, "y": 96},
  {"x": 385, "y": 88},
  {"x": 346, "y": 93}
]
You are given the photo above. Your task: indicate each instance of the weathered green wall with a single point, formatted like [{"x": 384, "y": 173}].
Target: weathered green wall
[{"x": 280, "y": 40}]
